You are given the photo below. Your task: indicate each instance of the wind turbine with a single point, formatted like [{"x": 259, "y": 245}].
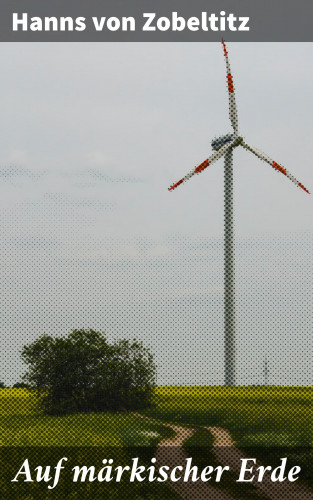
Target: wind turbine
[{"x": 224, "y": 146}]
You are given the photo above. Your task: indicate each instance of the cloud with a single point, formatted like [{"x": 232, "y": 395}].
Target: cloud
[
  {"x": 63, "y": 200},
  {"x": 12, "y": 171},
  {"x": 99, "y": 175}
]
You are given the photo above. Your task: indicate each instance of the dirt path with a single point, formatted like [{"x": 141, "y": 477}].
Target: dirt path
[
  {"x": 226, "y": 452},
  {"x": 170, "y": 452}
]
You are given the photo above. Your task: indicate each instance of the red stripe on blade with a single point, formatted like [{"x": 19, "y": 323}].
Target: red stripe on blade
[
  {"x": 230, "y": 83},
  {"x": 279, "y": 167},
  {"x": 202, "y": 166},
  {"x": 302, "y": 187},
  {"x": 176, "y": 185},
  {"x": 225, "y": 50}
]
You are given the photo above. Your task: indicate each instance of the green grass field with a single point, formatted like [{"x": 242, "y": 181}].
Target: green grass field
[
  {"x": 266, "y": 422},
  {"x": 256, "y": 416},
  {"x": 269, "y": 422},
  {"x": 86, "y": 438},
  {"x": 22, "y": 424}
]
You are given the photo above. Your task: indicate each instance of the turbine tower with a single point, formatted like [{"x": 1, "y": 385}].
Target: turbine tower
[{"x": 224, "y": 146}]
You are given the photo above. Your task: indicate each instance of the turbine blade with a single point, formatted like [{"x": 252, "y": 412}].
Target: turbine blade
[
  {"x": 212, "y": 159},
  {"x": 233, "y": 115},
  {"x": 274, "y": 164}
]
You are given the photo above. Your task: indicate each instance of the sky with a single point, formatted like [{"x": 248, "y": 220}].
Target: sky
[{"x": 92, "y": 137}]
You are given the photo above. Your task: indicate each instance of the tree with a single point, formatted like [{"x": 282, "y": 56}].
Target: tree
[
  {"x": 20, "y": 385},
  {"x": 2, "y": 385},
  {"x": 83, "y": 372}
]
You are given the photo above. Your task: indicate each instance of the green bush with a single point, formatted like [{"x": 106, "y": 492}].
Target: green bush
[{"x": 84, "y": 372}]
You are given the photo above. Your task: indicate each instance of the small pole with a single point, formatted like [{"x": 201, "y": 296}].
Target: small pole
[
  {"x": 265, "y": 371},
  {"x": 229, "y": 273}
]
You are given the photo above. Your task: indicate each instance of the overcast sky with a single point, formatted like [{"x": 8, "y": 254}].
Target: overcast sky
[{"x": 92, "y": 136}]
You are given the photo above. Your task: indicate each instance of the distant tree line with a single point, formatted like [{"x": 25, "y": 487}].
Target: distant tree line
[
  {"x": 20, "y": 385},
  {"x": 17, "y": 385},
  {"x": 83, "y": 372}
]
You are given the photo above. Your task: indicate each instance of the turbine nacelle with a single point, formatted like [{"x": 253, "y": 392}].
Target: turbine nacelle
[{"x": 219, "y": 142}]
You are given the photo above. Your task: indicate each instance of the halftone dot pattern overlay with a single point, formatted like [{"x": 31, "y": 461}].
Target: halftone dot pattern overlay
[
  {"x": 228, "y": 321},
  {"x": 132, "y": 289}
]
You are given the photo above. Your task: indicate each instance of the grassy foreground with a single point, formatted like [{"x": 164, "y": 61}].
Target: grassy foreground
[
  {"x": 269, "y": 422},
  {"x": 22, "y": 424},
  {"x": 86, "y": 439},
  {"x": 266, "y": 422},
  {"x": 256, "y": 416}
]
